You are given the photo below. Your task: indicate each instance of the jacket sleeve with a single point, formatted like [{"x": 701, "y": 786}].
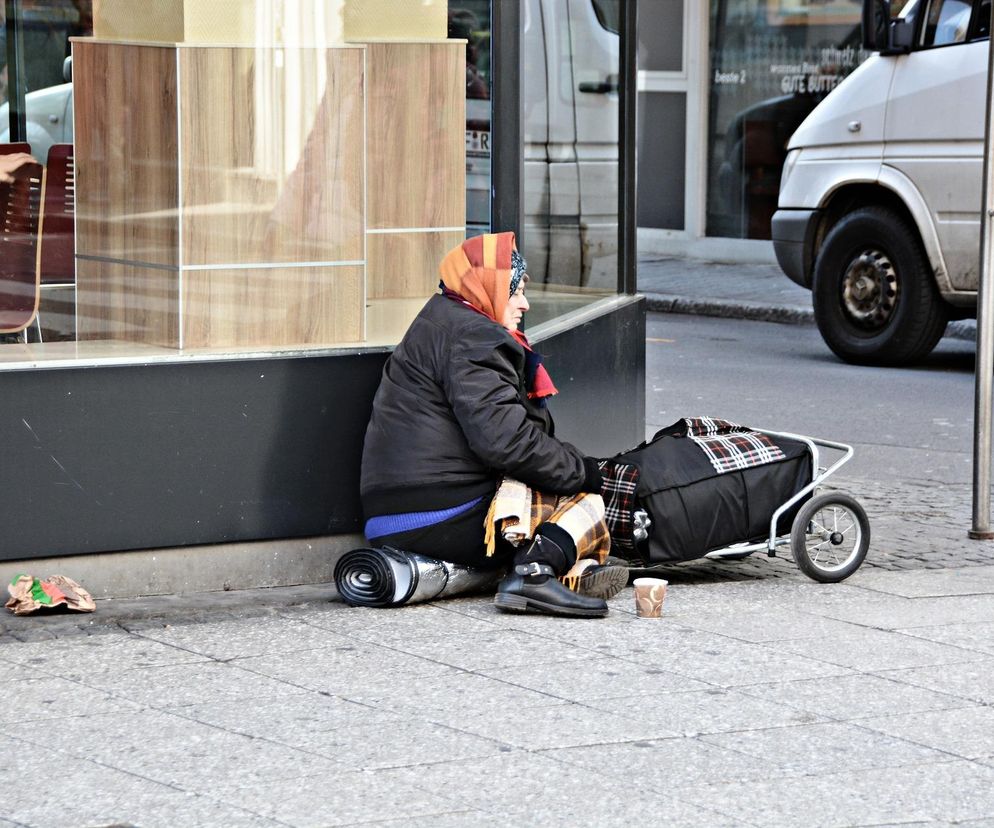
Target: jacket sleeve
[{"x": 482, "y": 387}]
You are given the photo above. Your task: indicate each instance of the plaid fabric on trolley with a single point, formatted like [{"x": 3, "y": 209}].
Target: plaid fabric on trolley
[
  {"x": 618, "y": 491},
  {"x": 729, "y": 446}
]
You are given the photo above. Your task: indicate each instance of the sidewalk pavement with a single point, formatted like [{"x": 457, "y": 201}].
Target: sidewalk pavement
[
  {"x": 762, "y": 701},
  {"x": 760, "y": 698},
  {"x": 741, "y": 291}
]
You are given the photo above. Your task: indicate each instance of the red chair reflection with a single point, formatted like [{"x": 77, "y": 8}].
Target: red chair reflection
[
  {"x": 21, "y": 207},
  {"x": 58, "y": 266}
]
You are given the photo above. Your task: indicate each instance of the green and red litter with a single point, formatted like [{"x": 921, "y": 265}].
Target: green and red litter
[{"x": 29, "y": 594}]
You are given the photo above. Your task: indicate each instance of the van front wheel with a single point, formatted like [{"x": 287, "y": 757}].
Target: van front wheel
[{"x": 874, "y": 296}]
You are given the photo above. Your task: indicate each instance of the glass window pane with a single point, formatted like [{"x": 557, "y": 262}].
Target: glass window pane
[
  {"x": 294, "y": 188},
  {"x": 570, "y": 101},
  {"x": 772, "y": 62}
]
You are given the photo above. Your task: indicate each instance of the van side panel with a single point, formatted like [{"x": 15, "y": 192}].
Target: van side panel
[{"x": 934, "y": 135}]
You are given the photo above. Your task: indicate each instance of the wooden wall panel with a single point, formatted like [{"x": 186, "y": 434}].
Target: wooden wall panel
[
  {"x": 127, "y": 302},
  {"x": 272, "y": 307},
  {"x": 126, "y": 153},
  {"x": 416, "y": 121},
  {"x": 272, "y": 159},
  {"x": 405, "y": 265}
]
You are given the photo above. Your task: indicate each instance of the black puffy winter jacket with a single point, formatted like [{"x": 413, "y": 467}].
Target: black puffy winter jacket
[{"x": 451, "y": 416}]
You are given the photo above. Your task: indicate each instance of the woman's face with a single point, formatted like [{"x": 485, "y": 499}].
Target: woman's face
[{"x": 516, "y": 307}]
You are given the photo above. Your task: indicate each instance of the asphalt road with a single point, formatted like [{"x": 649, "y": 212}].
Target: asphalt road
[{"x": 908, "y": 424}]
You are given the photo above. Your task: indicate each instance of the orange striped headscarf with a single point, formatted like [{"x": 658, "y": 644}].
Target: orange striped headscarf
[{"x": 479, "y": 270}]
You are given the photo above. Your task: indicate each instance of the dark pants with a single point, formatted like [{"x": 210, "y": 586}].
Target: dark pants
[{"x": 458, "y": 540}]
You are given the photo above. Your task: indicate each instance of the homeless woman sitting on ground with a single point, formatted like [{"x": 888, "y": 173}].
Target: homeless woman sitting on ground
[{"x": 460, "y": 412}]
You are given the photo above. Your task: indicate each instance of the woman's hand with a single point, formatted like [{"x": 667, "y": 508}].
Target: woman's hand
[{"x": 9, "y": 164}]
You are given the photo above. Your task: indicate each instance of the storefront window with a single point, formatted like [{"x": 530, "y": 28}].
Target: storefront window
[
  {"x": 570, "y": 101},
  {"x": 287, "y": 176},
  {"x": 772, "y": 62}
]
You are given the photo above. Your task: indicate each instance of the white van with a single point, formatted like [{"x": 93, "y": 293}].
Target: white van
[{"x": 880, "y": 196}]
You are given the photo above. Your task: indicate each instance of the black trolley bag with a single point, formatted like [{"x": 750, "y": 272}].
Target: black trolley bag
[{"x": 694, "y": 509}]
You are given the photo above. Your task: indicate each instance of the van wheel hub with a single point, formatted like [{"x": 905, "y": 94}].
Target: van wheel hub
[{"x": 870, "y": 289}]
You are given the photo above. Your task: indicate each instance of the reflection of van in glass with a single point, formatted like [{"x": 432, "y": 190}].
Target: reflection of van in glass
[
  {"x": 569, "y": 94},
  {"x": 879, "y": 207}
]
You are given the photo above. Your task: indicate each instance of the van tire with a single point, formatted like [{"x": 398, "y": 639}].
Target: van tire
[{"x": 874, "y": 295}]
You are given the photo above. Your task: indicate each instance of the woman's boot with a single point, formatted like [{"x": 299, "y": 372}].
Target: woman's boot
[{"x": 533, "y": 584}]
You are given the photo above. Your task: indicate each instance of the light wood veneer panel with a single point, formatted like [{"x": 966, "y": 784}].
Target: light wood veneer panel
[
  {"x": 416, "y": 113},
  {"x": 127, "y": 302},
  {"x": 405, "y": 265},
  {"x": 273, "y": 306},
  {"x": 272, "y": 157},
  {"x": 126, "y": 153}
]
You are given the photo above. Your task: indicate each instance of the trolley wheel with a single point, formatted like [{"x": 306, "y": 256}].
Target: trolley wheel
[{"x": 830, "y": 537}]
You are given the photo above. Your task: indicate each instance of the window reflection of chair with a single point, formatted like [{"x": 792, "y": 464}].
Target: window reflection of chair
[
  {"x": 58, "y": 266},
  {"x": 21, "y": 207},
  {"x": 58, "y": 237},
  {"x": 10, "y": 149}
]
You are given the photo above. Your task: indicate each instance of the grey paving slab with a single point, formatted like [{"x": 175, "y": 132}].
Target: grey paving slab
[
  {"x": 455, "y": 819},
  {"x": 387, "y": 626},
  {"x": 493, "y": 648},
  {"x": 942, "y": 791},
  {"x": 185, "y": 684},
  {"x": 443, "y": 696},
  {"x": 924, "y": 583},
  {"x": 11, "y": 671},
  {"x": 302, "y": 720},
  {"x": 656, "y": 765},
  {"x": 973, "y": 681},
  {"x": 44, "y": 699},
  {"x": 182, "y": 753},
  {"x": 725, "y": 662},
  {"x": 707, "y": 711},
  {"x": 42, "y": 788},
  {"x": 531, "y": 789},
  {"x": 975, "y": 637},
  {"x": 868, "y": 650},
  {"x": 595, "y": 678},
  {"x": 966, "y": 732},
  {"x": 82, "y": 656},
  {"x": 826, "y": 747},
  {"x": 338, "y": 799},
  {"x": 853, "y": 697},
  {"x": 563, "y": 725},
  {"x": 771, "y": 625},
  {"x": 402, "y": 743},
  {"x": 246, "y": 637},
  {"x": 890, "y": 612},
  {"x": 341, "y": 670}
]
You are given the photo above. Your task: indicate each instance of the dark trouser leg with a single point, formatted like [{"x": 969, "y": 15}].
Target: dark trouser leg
[
  {"x": 551, "y": 546},
  {"x": 458, "y": 540}
]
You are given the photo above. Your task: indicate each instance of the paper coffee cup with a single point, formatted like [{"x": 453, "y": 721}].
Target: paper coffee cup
[{"x": 649, "y": 596}]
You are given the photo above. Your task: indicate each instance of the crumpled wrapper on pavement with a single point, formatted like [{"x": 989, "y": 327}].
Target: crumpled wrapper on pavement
[{"x": 29, "y": 594}]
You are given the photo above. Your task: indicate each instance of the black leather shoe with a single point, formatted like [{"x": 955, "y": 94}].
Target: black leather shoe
[{"x": 534, "y": 587}]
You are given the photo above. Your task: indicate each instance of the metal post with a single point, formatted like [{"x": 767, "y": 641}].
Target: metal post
[
  {"x": 506, "y": 124},
  {"x": 627, "y": 148},
  {"x": 15, "y": 70},
  {"x": 985, "y": 335}
]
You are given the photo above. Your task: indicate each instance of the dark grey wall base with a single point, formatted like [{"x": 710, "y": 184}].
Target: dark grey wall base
[{"x": 111, "y": 458}]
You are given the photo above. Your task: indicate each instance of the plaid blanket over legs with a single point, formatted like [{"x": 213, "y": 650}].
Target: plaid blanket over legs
[
  {"x": 729, "y": 446},
  {"x": 517, "y": 510}
]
